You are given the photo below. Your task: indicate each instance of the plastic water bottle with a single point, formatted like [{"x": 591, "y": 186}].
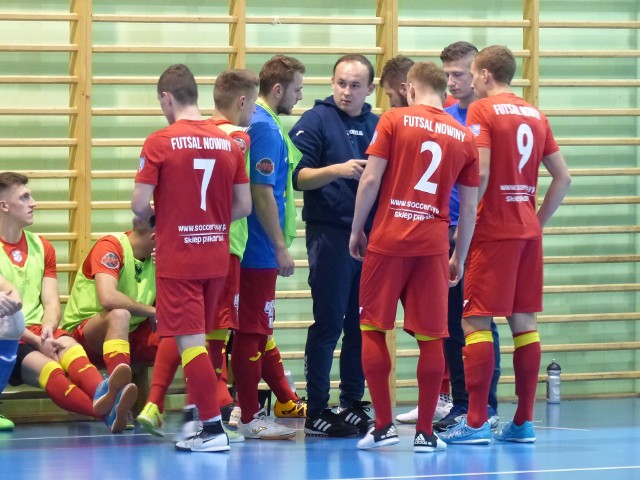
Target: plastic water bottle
[
  {"x": 553, "y": 382},
  {"x": 290, "y": 381}
]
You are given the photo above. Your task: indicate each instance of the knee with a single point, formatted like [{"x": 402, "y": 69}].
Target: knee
[{"x": 119, "y": 318}]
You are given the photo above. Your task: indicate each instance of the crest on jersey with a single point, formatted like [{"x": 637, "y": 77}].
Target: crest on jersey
[
  {"x": 141, "y": 164},
  {"x": 241, "y": 143},
  {"x": 17, "y": 256},
  {"x": 475, "y": 129},
  {"x": 110, "y": 260},
  {"x": 265, "y": 166}
]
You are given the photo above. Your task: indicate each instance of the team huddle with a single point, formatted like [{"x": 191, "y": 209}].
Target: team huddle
[{"x": 401, "y": 207}]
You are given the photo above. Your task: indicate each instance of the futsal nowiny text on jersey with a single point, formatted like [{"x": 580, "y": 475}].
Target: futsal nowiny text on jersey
[
  {"x": 201, "y": 143},
  {"x": 416, "y": 121}
]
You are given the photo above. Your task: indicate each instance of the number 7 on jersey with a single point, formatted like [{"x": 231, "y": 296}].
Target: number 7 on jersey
[{"x": 207, "y": 165}]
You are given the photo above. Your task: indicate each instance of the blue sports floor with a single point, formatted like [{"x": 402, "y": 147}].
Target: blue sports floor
[{"x": 581, "y": 439}]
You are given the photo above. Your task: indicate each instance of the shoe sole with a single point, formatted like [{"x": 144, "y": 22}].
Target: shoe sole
[
  {"x": 480, "y": 441},
  {"x": 127, "y": 400},
  {"x": 423, "y": 449},
  {"x": 289, "y": 414},
  {"x": 221, "y": 448},
  {"x": 516, "y": 440},
  {"x": 149, "y": 426},
  {"x": 382, "y": 443},
  {"x": 313, "y": 433},
  {"x": 119, "y": 378},
  {"x": 270, "y": 437}
]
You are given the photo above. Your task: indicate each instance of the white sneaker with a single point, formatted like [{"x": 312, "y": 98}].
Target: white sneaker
[
  {"x": 442, "y": 410},
  {"x": 205, "y": 442},
  {"x": 234, "y": 418},
  {"x": 379, "y": 437},
  {"x": 409, "y": 417},
  {"x": 264, "y": 428},
  {"x": 443, "y": 407}
]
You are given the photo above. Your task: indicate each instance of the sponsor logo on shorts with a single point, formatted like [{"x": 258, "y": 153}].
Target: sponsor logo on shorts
[{"x": 270, "y": 310}]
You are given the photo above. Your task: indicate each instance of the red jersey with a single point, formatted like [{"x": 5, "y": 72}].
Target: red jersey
[
  {"x": 194, "y": 166},
  {"x": 106, "y": 256},
  {"x": 18, "y": 253},
  {"x": 518, "y": 136},
  {"x": 427, "y": 152},
  {"x": 238, "y": 134}
]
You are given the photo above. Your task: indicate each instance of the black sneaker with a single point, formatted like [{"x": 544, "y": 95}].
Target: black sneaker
[
  {"x": 423, "y": 443},
  {"x": 379, "y": 437},
  {"x": 328, "y": 424},
  {"x": 357, "y": 415},
  {"x": 453, "y": 418}
]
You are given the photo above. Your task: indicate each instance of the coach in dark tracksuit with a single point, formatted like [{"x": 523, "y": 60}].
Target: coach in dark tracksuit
[{"x": 333, "y": 137}]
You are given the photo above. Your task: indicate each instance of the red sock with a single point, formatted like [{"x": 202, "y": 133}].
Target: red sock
[
  {"x": 216, "y": 350},
  {"x": 376, "y": 364},
  {"x": 429, "y": 374},
  {"x": 246, "y": 361},
  {"x": 273, "y": 374},
  {"x": 165, "y": 366},
  {"x": 526, "y": 365},
  {"x": 85, "y": 375},
  {"x": 478, "y": 370},
  {"x": 202, "y": 384},
  {"x": 114, "y": 352},
  {"x": 67, "y": 395}
]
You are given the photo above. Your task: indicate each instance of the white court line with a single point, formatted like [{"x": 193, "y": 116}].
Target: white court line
[
  {"x": 105, "y": 435},
  {"x": 511, "y": 472}
]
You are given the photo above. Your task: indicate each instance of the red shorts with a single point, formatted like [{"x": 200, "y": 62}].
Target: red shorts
[
  {"x": 421, "y": 283},
  {"x": 57, "y": 333},
  {"x": 228, "y": 306},
  {"x": 503, "y": 277},
  {"x": 187, "y": 307},
  {"x": 143, "y": 344},
  {"x": 257, "y": 310}
]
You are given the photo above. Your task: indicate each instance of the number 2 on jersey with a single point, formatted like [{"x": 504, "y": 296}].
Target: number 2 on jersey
[
  {"x": 524, "y": 138},
  {"x": 207, "y": 165},
  {"x": 424, "y": 185}
]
